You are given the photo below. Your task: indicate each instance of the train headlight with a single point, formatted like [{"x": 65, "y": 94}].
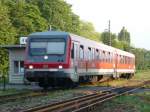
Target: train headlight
[
  {"x": 60, "y": 66},
  {"x": 45, "y": 57},
  {"x": 30, "y": 67}
]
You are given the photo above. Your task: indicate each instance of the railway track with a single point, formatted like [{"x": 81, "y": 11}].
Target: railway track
[
  {"x": 18, "y": 96},
  {"x": 82, "y": 103}
]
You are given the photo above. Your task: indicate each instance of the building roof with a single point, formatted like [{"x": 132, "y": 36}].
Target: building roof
[{"x": 13, "y": 46}]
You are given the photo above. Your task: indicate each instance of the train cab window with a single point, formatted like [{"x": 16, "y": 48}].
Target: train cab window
[
  {"x": 55, "y": 47},
  {"x": 43, "y": 46},
  {"x": 81, "y": 52}
]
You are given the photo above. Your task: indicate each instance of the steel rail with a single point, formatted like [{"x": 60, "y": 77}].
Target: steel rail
[
  {"x": 80, "y": 103},
  {"x": 63, "y": 103},
  {"x": 103, "y": 100},
  {"x": 12, "y": 97}
]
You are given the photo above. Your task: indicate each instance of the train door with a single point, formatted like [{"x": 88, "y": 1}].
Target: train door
[
  {"x": 115, "y": 65},
  {"x": 75, "y": 57}
]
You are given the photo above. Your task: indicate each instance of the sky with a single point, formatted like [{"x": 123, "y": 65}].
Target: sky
[{"x": 134, "y": 15}]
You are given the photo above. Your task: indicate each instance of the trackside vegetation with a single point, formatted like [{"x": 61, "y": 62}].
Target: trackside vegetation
[
  {"x": 22, "y": 17},
  {"x": 139, "y": 102},
  {"x": 139, "y": 77}
]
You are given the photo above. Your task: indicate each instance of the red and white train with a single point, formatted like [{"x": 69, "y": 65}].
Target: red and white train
[{"x": 60, "y": 58}]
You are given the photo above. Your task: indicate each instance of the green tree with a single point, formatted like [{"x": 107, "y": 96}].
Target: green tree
[
  {"x": 87, "y": 30},
  {"x": 142, "y": 58},
  {"x": 57, "y": 13},
  {"x": 124, "y": 35},
  {"x": 7, "y": 36},
  {"x": 108, "y": 38},
  {"x": 75, "y": 24},
  {"x": 26, "y": 18}
]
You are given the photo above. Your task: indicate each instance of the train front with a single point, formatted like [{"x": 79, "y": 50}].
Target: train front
[{"x": 47, "y": 58}]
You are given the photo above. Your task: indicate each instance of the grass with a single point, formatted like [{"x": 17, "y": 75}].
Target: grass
[
  {"x": 140, "y": 76},
  {"x": 67, "y": 92},
  {"x": 2, "y": 80},
  {"x": 131, "y": 103},
  {"x": 9, "y": 91}
]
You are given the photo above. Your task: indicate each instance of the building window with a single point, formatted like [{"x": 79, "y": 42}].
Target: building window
[{"x": 18, "y": 67}]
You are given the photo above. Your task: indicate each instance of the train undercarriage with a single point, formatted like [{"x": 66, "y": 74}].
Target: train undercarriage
[{"x": 46, "y": 80}]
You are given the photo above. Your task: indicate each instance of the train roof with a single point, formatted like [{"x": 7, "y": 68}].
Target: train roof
[
  {"x": 47, "y": 33},
  {"x": 99, "y": 45},
  {"x": 84, "y": 41}
]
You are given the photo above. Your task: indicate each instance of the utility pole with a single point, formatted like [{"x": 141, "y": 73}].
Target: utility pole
[
  {"x": 109, "y": 33},
  {"x": 50, "y": 28}
]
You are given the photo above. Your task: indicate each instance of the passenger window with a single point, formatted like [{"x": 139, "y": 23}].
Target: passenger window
[
  {"x": 100, "y": 55},
  {"x": 89, "y": 54},
  {"x": 103, "y": 57},
  {"x": 93, "y": 54},
  {"x": 81, "y": 52},
  {"x": 124, "y": 59},
  {"x": 129, "y": 61},
  {"x": 109, "y": 57},
  {"x": 120, "y": 59},
  {"x": 72, "y": 51},
  {"x": 97, "y": 54},
  {"x": 106, "y": 56},
  {"x": 75, "y": 51}
]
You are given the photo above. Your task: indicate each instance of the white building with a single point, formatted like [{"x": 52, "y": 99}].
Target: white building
[{"x": 16, "y": 61}]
